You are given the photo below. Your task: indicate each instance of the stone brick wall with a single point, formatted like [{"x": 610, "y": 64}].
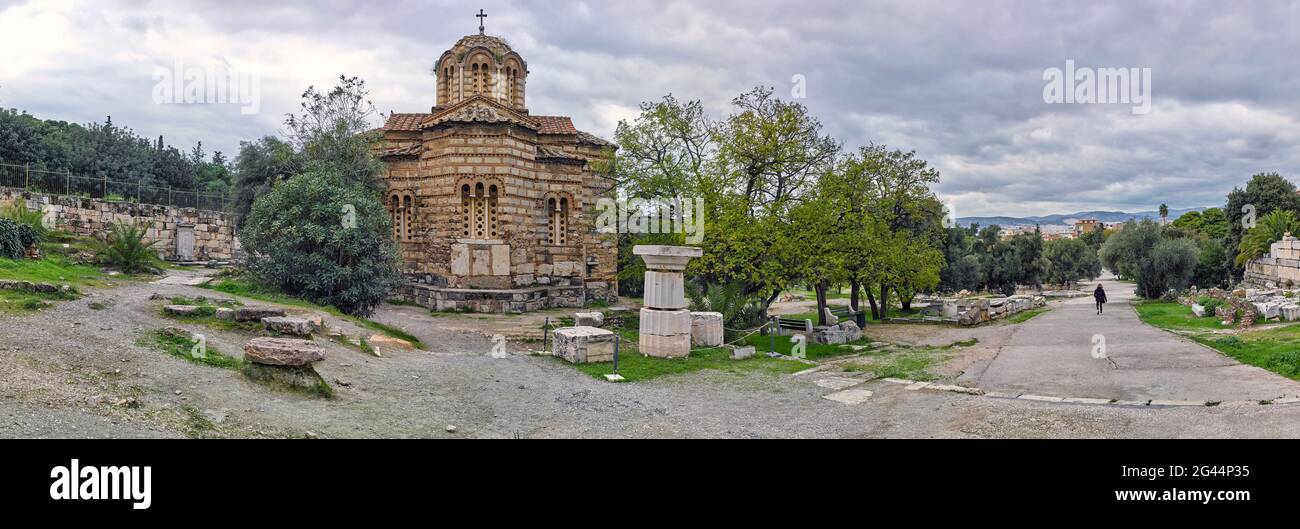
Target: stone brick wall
[
  {"x": 1280, "y": 268},
  {"x": 214, "y": 237}
]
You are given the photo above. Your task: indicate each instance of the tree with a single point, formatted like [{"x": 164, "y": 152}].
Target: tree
[
  {"x": 325, "y": 237},
  {"x": 1069, "y": 260},
  {"x": 259, "y": 164},
  {"x": 1172, "y": 266},
  {"x": 1164, "y": 214},
  {"x": 1143, "y": 253},
  {"x": 1270, "y": 229},
  {"x": 1263, "y": 194},
  {"x": 336, "y": 129}
]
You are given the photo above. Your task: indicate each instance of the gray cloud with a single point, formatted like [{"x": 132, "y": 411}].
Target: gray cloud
[{"x": 959, "y": 82}]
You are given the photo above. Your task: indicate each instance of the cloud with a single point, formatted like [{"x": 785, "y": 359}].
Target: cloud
[{"x": 959, "y": 83}]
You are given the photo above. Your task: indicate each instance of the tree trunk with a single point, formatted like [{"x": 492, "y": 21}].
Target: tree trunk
[
  {"x": 821, "y": 302},
  {"x": 855, "y": 301},
  {"x": 871, "y": 298},
  {"x": 768, "y": 302},
  {"x": 884, "y": 300}
]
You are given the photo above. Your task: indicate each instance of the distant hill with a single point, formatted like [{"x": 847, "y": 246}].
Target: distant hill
[{"x": 1067, "y": 219}]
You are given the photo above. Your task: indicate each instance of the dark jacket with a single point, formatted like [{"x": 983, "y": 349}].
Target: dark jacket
[{"x": 1099, "y": 295}]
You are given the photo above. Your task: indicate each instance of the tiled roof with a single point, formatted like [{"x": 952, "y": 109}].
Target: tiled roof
[
  {"x": 405, "y": 121},
  {"x": 409, "y": 150},
  {"x": 554, "y": 125},
  {"x": 593, "y": 139}
]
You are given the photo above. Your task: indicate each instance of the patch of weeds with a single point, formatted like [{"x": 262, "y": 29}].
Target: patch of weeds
[
  {"x": 96, "y": 305},
  {"x": 196, "y": 425},
  {"x": 186, "y": 349},
  {"x": 389, "y": 330},
  {"x": 962, "y": 343},
  {"x": 1026, "y": 315}
]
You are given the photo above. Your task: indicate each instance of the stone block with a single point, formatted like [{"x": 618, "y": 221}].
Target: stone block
[
  {"x": 706, "y": 329},
  {"x": 181, "y": 310},
  {"x": 666, "y": 322},
  {"x": 290, "y": 326},
  {"x": 582, "y": 345},
  {"x": 667, "y": 258},
  {"x": 282, "y": 352},
  {"x": 1198, "y": 310},
  {"x": 851, "y": 330},
  {"x": 501, "y": 260},
  {"x": 243, "y": 314},
  {"x": 739, "y": 352},
  {"x": 665, "y": 346},
  {"x": 664, "y": 290},
  {"x": 460, "y": 259},
  {"x": 588, "y": 319},
  {"x": 830, "y": 335}
]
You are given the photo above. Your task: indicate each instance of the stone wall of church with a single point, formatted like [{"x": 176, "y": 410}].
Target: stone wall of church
[
  {"x": 440, "y": 253},
  {"x": 214, "y": 237}
]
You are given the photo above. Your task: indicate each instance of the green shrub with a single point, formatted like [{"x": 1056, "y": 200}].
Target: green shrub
[
  {"x": 1286, "y": 363},
  {"x": 298, "y": 244},
  {"x": 1210, "y": 305},
  {"x": 19, "y": 213},
  {"x": 12, "y": 238},
  {"x": 124, "y": 248}
]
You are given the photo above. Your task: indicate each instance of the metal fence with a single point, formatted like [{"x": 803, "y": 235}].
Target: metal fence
[{"x": 65, "y": 183}]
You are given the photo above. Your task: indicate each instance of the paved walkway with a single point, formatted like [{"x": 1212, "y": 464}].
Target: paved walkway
[{"x": 1052, "y": 355}]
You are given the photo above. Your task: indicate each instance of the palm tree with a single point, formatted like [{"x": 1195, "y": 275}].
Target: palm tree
[
  {"x": 1269, "y": 229},
  {"x": 1164, "y": 214}
]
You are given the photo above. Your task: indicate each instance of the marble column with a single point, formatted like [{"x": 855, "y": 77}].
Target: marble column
[{"x": 665, "y": 321}]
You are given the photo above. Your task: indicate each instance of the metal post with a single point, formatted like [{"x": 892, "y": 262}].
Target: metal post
[
  {"x": 138, "y": 186},
  {"x": 546, "y": 331},
  {"x": 27, "y": 180},
  {"x": 775, "y": 329},
  {"x": 105, "y": 187},
  {"x": 67, "y": 181},
  {"x": 618, "y": 338}
]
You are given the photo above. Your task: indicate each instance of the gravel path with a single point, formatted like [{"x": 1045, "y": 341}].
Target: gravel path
[{"x": 66, "y": 369}]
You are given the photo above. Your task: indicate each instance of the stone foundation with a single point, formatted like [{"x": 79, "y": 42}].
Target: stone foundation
[{"x": 511, "y": 300}]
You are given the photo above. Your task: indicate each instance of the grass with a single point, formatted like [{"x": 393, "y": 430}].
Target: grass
[
  {"x": 56, "y": 270},
  {"x": 1026, "y": 315},
  {"x": 904, "y": 361},
  {"x": 1276, "y": 349},
  {"x": 183, "y": 348},
  {"x": 636, "y": 367},
  {"x": 239, "y": 286},
  {"x": 1168, "y": 315},
  {"x": 207, "y": 316}
]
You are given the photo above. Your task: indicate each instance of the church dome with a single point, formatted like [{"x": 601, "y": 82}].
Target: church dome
[{"x": 481, "y": 65}]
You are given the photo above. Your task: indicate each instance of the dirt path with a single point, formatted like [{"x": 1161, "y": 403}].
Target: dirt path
[{"x": 65, "y": 368}]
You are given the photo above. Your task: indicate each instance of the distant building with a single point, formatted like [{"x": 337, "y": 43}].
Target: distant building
[{"x": 1086, "y": 226}]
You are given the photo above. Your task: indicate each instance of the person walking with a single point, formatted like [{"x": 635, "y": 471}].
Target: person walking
[{"x": 1100, "y": 296}]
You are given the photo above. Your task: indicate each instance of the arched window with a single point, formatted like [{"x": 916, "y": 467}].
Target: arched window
[
  {"x": 512, "y": 77},
  {"x": 557, "y": 220},
  {"x": 394, "y": 213},
  {"x": 408, "y": 218},
  {"x": 402, "y": 211},
  {"x": 479, "y": 210}
]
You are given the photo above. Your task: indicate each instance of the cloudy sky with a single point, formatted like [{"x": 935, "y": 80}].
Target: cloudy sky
[{"x": 962, "y": 83}]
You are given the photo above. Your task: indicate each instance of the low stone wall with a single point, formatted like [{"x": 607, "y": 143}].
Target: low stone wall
[
  {"x": 514, "y": 300},
  {"x": 214, "y": 237}
]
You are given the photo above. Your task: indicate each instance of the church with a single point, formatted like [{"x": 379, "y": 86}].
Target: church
[{"x": 492, "y": 206}]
